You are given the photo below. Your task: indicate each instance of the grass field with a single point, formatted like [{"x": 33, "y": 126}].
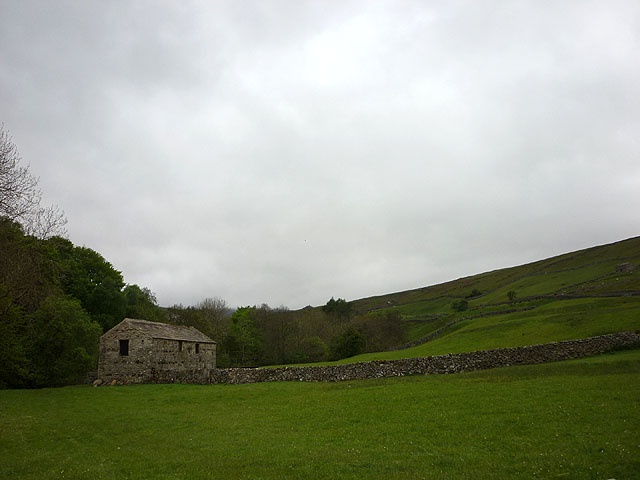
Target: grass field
[
  {"x": 550, "y": 321},
  {"x": 577, "y": 419}
]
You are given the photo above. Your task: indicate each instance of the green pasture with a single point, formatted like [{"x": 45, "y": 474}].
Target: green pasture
[
  {"x": 576, "y": 419},
  {"x": 547, "y": 283},
  {"x": 425, "y": 307},
  {"x": 614, "y": 282},
  {"x": 415, "y": 330},
  {"x": 551, "y": 321}
]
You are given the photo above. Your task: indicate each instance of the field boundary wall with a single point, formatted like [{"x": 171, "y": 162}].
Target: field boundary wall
[{"x": 440, "y": 364}]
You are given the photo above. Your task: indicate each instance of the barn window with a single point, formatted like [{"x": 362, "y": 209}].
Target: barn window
[
  {"x": 179, "y": 345},
  {"x": 124, "y": 348},
  {"x": 197, "y": 348}
]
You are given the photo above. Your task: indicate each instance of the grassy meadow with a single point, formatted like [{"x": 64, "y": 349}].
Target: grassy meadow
[{"x": 575, "y": 419}]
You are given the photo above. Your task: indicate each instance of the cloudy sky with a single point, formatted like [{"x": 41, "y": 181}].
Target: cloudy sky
[{"x": 289, "y": 151}]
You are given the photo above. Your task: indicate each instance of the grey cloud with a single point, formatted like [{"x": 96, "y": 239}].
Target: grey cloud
[{"x": 286, "y": 152}]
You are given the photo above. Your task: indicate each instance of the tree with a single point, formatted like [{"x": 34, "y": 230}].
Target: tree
[
  {"x": 381, "y": 330},
  {"x": 20, "y": 197},
  {"x": 13, "y": 360},
  {"x": 511, "y": 294},
  {"x": 347, "y": 344},
  {"x": 314, "y": 349},
  {"x": 474, "y": 293},
  {"x": 62, "y": 342},
  {"x": 215, "y": 312},
  {"x": 243, "y": 342},
  {"x": 28, "y": 274},
  {"x": 189, "y": 316},
  {"x": 460, "y": 306},
  {"x": 278, "y": 329},
  {"x": 87, "y": 276},
  {"x": 339, "y": 309},
  {"x": 142, "y": 304}
]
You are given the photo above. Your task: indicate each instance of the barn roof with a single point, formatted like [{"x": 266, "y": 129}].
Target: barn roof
[{"x": 169, "y": 332}]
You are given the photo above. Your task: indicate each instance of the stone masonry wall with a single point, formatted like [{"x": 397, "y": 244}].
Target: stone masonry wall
[
  {"x": 152, "y": 360},
  {"x": 133, "y": 368},
  {"x": 169, "y": 361},
  {"x": 442, "y": 364}
]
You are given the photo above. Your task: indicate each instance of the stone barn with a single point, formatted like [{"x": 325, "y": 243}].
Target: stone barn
[{"x": 136, "y": 351}]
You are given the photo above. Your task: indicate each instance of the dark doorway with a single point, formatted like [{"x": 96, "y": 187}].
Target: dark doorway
[{"x": 124, "y": 348}]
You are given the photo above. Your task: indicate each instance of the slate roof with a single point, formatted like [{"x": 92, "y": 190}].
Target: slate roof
[{"x": 169, "y": 332}]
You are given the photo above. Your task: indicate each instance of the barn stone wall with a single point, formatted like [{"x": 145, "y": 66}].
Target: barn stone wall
[
  {"x": 133, "y": 368},
  {"x": 169, "y": 361},
  {"x": 151, "y": 359}
]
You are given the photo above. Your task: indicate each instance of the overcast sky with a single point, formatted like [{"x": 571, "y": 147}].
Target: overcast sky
[{"x": 289, "y": 151}]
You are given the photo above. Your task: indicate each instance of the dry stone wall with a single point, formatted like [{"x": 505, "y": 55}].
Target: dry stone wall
[{"x": 442, "y": 364}]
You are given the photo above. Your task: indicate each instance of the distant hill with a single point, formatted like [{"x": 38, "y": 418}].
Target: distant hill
[
  {"x": 590, "y": 271},
  {"x": 574, "y": 295}
]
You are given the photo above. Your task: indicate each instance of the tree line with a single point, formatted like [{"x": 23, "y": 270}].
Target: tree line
[{"x": 261, "y": 335}]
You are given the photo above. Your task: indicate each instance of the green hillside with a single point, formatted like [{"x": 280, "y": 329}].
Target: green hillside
[{"x": 575, "y": 295}]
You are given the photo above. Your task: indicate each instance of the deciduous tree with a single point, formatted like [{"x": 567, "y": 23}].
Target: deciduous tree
[
  {"x": 244, "y": 343},
  {"x": 20, "y": 196},
  {"x": 215, "y": 312},
  {"x": 347, "y": 344},
  {"x": 339, "y": 309},
  {"x": 62, "y": 342},
  {"x": 142, "y": 304}
]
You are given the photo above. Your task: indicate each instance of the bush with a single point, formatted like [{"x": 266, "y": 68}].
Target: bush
[{"x": 460, "y": 306}]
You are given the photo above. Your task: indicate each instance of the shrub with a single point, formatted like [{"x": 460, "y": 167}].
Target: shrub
[
  {"x": 348, "y": 344},
  {"x": 460, "y": 306}
]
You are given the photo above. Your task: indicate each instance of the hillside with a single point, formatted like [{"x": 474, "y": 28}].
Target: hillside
[{"x": 574, "y": 295}]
